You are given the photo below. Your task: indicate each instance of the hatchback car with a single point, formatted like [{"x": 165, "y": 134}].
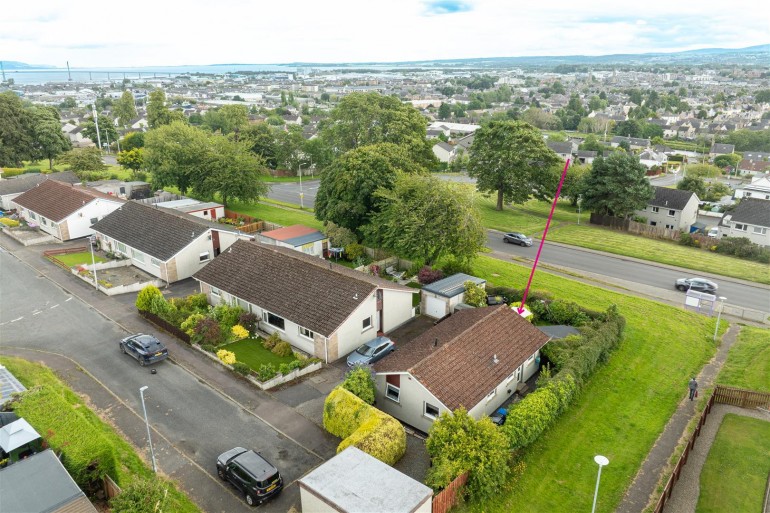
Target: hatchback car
[
  {"x": 517, "y": 238},
  {"x": 698, "y": 284},
  {"x": 145, "y": 348},
  {"x": 371, "y": 352},
  {"x": 250, "y": 473}
]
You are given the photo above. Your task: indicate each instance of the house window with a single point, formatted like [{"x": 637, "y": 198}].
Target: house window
[
  {"x": 671, "y": 213},
  {"x": 655, "y": 209},
  {"x": 653, "y": 223},
  {"x": 670, "y": 226},
  {"x": 759, "y": 230},
  {"x": 367, "y": 324},
  {"x": 741, "y": 227},
  {"x": 137, "y": 255},
  {"x": 392, "y": 392},
  {"x": 32, "y": 215},
  {"x": 121, "y": 247},
  {"x": 44, "y": 220},
  {"x": 205, "y": 213},
  {"x": 155, "y": 262},
  {"x": 274, "y": 320},
  {"x": 215, "y": 291},
  {"x": 306, "y": 333},
  {"x": 491, "y": 395},
  {"x": 510, "y": 378},
  {"x": 204, "y": 257},
  {"x": 431, "y": 411},
  {"x": 529, "y": 360},
  {"x": 94, "y": 219}
]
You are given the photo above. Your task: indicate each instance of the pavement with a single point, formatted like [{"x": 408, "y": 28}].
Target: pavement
[{"x": 644, "y": 487}]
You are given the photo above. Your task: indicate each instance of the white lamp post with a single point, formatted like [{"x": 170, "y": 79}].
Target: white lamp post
[
  {"x": 92, "y": 240},
  {"x": 579, "y": 202},
  {"x": 719, "y": 315},
  {"x": 601, "y": 461},
  {"x": 146, "y": 423}
]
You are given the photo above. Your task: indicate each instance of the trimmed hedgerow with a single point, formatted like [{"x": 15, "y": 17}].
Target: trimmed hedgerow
[
  {"x": 145, "y": 297},
  {"x": 241, "y": 368},
  {"x": 360, "y": 382},
  {"x": 363, "y": 426},
  {"x": 282, "y": 349}
]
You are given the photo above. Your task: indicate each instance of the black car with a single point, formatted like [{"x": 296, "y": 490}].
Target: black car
[
  {"x": 145, "y": 348},
  {"x": 250, "y": 473},
  {"x": 699, "y": 284},
  {"x": 517, "y": 238}
]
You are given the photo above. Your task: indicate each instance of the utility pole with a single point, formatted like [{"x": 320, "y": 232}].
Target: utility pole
[
  {"x": 96, "y": 122},
  {"x": 69, "y": 75}
]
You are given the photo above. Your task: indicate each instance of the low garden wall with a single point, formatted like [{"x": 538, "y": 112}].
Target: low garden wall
[{"x": 119, "y": 289}]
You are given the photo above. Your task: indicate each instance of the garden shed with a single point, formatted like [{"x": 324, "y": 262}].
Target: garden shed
[
  {"x": 353, "y": 481},
  {"x": 441, "y": 297}
]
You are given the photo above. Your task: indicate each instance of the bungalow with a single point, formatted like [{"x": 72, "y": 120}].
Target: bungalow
[
  {"x": 753, "y": 167},
  {"x": 750, "y": 219},
  {"x": 721, "y": 149},
  {"x": 322, "y": 308},
  {"x": 634, "y": 143},
  {"x": 64, "y": 211},
  {"x": 586, "y": 156},
  {"x": 562, "y": 149},
  {"x": 169, "y": 245},
  {"x": 444, "y": 152},
  {"x": 299, "y": 238},
  {"x": 651, "y": 158},
  {"x": 441, "y": 297},
  {"x": 475, "y": 359},
  {"x": 14, "y": 187},
  {"x": 759, "y": 188},
  {"x": 672, "y": 208},
  {"x": 204, "y": 210}
]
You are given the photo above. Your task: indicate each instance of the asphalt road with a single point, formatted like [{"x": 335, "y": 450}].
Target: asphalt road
[
  {"x": 198, "y": 422},
  {"x": 289, "y": 192},
  {"x": 632, "y": 271}
]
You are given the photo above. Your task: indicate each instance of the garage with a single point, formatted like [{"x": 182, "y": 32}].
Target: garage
[
  {"x": 441, "y": 297},
  {"x": 435, "y": 307}
]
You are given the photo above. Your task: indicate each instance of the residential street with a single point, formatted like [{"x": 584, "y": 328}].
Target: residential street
[{"x": 196, "y": 409}]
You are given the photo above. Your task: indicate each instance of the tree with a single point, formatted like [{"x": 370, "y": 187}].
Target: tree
[
  {"x": 423, "y": 218},
  {"x": 50, "y": 141},
  {"x": 261, "y": 141},
  {"x": 573, "y": 182},
  {"x": 629, "y": 128},
  {"x": 132, "y": 159},
  {"x": 445, "y": 111},
  {"x": 731, "y": 160},
  {"x": 227, "y": 119},
  {"x": 16, "y": 131},
  {"x": 617, "y": 186},
  {"x": 83, "y": 159},
  {"x": 174, "y": 154},
  {"x": 703, "y": 170},
  {"x": 107, "y": 130},
  {"x": 125, "y": 108},
  {"x": 474, "y": 295},
  {"x": 694, "y": 184},
  {"x": 762, "y": 96},
  {"x": 541, "y": 119},
  {"x": 362, "y": 119},
  {"x": 592, "y": 143},
  {"x": 230, "y": 171},
  {"x": 511, "y": 158},
  {"x": 458, "y": 443},
  {"x": 346, "y": 192},
  {"x": 158, "y": 114},
  {"x": 132, "y": 140}
]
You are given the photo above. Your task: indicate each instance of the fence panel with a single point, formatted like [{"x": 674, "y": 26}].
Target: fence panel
[
  {"x": 449, "y": 496},
  {"x": 741, "y": 397}
]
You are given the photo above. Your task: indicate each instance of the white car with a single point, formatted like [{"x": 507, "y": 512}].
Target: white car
[{"x": 714, "y": 232}]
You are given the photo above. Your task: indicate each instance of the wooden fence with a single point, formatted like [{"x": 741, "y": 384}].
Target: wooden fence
[
  {"x": 721, "y": 395},
  {"x": 627, "y": 225},
  {"x": 51, "y": 255},
  {"x": 449, "y": 496},
  {"x": 111, "y": 489},
  {"x": 165, "y": 325}
]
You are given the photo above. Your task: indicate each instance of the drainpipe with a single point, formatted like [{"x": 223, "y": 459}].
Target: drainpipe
[{"x": 326, "y": 349}]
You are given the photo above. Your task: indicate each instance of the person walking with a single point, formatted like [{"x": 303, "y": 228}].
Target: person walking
[{"x": 693, "y": 388}]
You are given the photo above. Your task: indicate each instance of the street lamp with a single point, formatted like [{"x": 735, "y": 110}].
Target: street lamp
[
  {"x": 301, "y": 194},
  {"x": 579, "y": 202},
  {"x": 146, "y": 423},
  {"x": 719, "y": 315},
  {"x": 92, "y": 241},
  {"x": 601, "y": 461}
]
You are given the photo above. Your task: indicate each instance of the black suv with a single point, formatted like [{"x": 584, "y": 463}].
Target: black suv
[
  {"x": 145, "y": 348},
  {"x": 252, "y": 474}
]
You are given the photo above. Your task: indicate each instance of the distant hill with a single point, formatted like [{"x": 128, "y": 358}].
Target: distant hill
[{"x": 15, "y": 65}]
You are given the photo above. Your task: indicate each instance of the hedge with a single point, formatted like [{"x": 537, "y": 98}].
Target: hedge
[
  {"x": 363, "y": 426},
  {"x": 165, "y": 325}
]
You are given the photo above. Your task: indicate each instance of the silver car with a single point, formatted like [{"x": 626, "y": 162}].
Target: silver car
[
  {"x": 372, "y": 351},
  {"x": 517, "y": 238}
]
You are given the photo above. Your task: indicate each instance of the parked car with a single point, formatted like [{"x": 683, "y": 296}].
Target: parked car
[
  {"x": 498, "y": 418},
  {"x": 145, "y": 348},
  {"x": 372, "y": 351},
  {"x": 496, "y": 300},
  {"x": 517, "y": 238},
  {"x": 699, "y": 284},
  {"x": 250, "y": 473},
  {"x": 714, "y": 232}
]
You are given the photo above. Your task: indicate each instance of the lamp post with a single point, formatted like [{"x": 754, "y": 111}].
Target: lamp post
[
  {"x": 579, "y": 201},
  {"x": 92, "y": 240},
  {"x": 301, "y": 194},
  {"x": 719, "y": 315},
  {"x": 601, "y": 461},
  {"x": 146, "y": 423}
]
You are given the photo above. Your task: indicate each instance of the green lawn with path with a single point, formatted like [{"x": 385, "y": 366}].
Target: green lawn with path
[
  {"x": 620, "y": 412},
  {"x": 736, "y": 469},
  {"x": 76, "y": 259},
  {"x": 251, "y": 352},
  {"x": 278, "y": 215},
  {"x": 748, "y": 362}
]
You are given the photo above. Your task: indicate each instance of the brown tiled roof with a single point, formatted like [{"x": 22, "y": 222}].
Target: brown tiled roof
[
  {"x": 314, "y": 293},
  {"x": 56, "y": 200},
  {"x": 460, "y": 370},
  {"x": 289, "y": 232}
]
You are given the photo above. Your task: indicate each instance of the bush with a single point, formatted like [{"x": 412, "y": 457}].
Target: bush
[
  {"x": 10, "y": 223},
  {"x": 142, "y": 495},
  {"x": 428, "y": 275},
  {"x": 227, "y": 357},
  {"x": 339, "y": 236},
  {"x": 686, "y": 239},
  {"x": 282, "y": 349},
  {"x": 227, "y": 315},
  {"x": 270, "y": 342},
  {"x": 360, "y": 382},
  {"x": 266, "y": 372},
  {"x": 454, "y": 265},
  {"x": 474, "y": 295},
  {"x": 458, "y": 443},
  {"x": 513, "y": 295},
  {"x": 354, "y": 251},
  {"x": 285, "y": 369},
  {"x": 241, "y": 368},
  {"x": 145, "y": 297},
  {"x": 239, "y": 332},
  {"x": 363, "y": 426},
  {"x": 189, "y": 324},
  {"x": 207, "y": 331},
  {"x": 249, "y": 321},
  {"x": 742, "y": 247},
  {"x": 209, "y": 348}
]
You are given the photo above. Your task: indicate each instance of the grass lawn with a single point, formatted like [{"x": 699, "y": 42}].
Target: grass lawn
[
  {"x": 734, "y": 475},
  {"x": 528, "y": 218},
  {"x": 278, "y": 215},
  {"x": 285, "y": 204},
  {"x": 112, "y": 169},
  {"x": 45, "y": 420},
  {"x": 748, "y": 362},
  {"x": 251, "y": 352},
  {"x": 75, "y": 259},
  {"x": 620, "y": 412}
]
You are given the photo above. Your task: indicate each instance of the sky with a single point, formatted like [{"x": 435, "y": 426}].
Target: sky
[{"x": 198, "y": 32}]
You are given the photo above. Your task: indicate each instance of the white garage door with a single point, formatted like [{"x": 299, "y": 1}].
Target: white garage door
[{"x": 436, "y": 307}]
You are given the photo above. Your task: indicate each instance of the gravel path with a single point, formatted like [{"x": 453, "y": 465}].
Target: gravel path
[{"x": 686, "y": 491}]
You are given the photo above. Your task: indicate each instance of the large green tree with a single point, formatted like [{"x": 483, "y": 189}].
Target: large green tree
[
  {"x": 693, "y": 184},
  {"x": 423, "y": 218},
  {"x": 50, "y": 141},
  {"x": 174, "y": 154},
  {"x": 83, "y": 159},
  {"x": 617, "y": 186},
  {"x": 346, "y": 192},
  {"x": 227, "y": 119},
  {"x": 158, "y": 113},
  {"x": 230, "y": 171},
  {"x": 132, "y": 159},
  {"x": 16, "y": 135},
  {"x": 107, "y": 131},
  {"x": 511, "y": 159},
  {"x": 125, "y": 108},
  {"x": 132, "y": 140},
  {"x": 361, "y": 119}
]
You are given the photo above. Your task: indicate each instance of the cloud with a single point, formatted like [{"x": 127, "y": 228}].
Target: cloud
[{"x": 436, "y": 7}]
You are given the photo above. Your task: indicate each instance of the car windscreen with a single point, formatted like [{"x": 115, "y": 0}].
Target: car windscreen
[
  {"x": 152, "y": 345},
  {"x": 365, "y": 350}
]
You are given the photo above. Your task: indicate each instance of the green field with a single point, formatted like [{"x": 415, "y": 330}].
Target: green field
[
  {"x": 112, "y": 169},
  {"x": 75, "y": 259},
  {"x": 736, "y": 469},
  {"x": 748, "y": 362},
  {"x": 278, "y": 215},
  {"x": 251, "y": 352},
  {"x": 45, "y": 420},
  {"x": 621, "y": 411}
]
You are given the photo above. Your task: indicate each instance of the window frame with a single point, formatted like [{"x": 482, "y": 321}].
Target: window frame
[
  {"x": 311, "y": 335},
  {"x": 491, "y": 395},
  {"x": 655, "y": 209},
  {"x": 266, "y": 315},
  {"x": 671, "y": 213},
  {"x": 390, "y": 388},
  {"x": 428, "y": 415},
  {"x": 203, "y": 254},
  {"x": 364, "y": 326}
]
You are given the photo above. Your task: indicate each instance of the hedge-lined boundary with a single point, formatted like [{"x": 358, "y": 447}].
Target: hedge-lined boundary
[
  {"x": 363, "y": 426},
  {"x": 165, "y": 325}
]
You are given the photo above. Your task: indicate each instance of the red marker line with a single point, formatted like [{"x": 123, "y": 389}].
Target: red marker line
[{"x": 542, "y": 240}]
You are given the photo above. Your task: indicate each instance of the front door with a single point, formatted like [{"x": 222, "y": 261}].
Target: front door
[{"x": 215, "y": 241}]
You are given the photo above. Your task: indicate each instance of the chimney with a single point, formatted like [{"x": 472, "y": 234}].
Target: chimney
[{"x": 435, "y": 342}]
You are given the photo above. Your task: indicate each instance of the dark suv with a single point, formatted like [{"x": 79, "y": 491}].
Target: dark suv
[
  {"x": 145, "y": 348},
  {"x": 252, "y": 474}
]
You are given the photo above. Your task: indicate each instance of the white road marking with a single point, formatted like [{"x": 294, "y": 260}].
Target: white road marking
[
  {"x": 20, "y": 318},
  {"x": 68, "y": 299},
  {"x": 37, "y": 313},
  {"x": 54, "y": 306}
]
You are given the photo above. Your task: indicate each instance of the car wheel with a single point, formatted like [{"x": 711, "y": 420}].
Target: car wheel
[
  {"x": 142, "y": 362},
  {"x": 250, "y": 500},
  {"x": 681, "y": 287},
  {"x": 122, "y": 349},
  {"x": 506, "y": 240},
  {"x": 221, "y": 474}
]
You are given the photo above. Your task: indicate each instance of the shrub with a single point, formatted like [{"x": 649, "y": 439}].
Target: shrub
[
  {"x": 239, "y": 332},
  {"x": 428, "y": 275},
  {"x": 209, "y": 348},
  {"x": 474, "y": 295},
  {"x": 458, "y": 443},
  {"x": 686, "y": 239},
  {"x": 360, "y": 382},
  {"x": 363, "y": 426},
  {"x": 249, "y": 321},
  {"x": 142, "y": 495},
  {"x": 241, "y": 368},
  {"x": 10, "y": 223},
  {"x": 266, "y": 372},
  {"x": 189, "y": 324},
  {"x": 227, "y": 315},
  {"x": 285, "y": 368},
  {"x": 145, "y": 296},
  {"x": 160, "y": 307},
  {"x": 339, "y": 236},
  {"x": 207, "y": 331},
  {"x": 510, "y": 293},
  {"x": 354, "y": 251},
  {"x": 282, "y": 349},
  {"x": 454, "y": 265},
  {"x": 226, "y": 356},
  {"x": 270, "y": 342}
]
